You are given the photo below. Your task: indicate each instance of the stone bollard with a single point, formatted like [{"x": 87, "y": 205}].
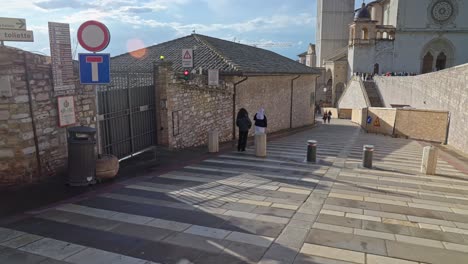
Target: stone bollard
[
  {"x": 368, "y": 151},
  {"x": 429, "y": 161},
  {"x": 260, "y": 145},
  {"x": 312, "y": 151},
  {"x": 213, "y": 142}
]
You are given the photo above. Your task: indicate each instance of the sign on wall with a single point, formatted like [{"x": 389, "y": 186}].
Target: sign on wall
[
  {"x": 61, "y": 56},
  {"x": 187, "y": 58},
  {"x": 14, "y": 29},
  {"x": 94, "y": 68},
  {"x": 66, "y": 110},
  {"x": 213, "y": 77}
]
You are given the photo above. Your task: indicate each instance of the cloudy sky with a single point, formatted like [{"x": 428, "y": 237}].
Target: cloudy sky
[{"x": 285, "y": 27}]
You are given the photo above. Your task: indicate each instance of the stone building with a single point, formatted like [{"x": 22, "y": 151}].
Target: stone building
[
  {"x": 417, "y": 36},
  {"x": 249, "y": 77}
]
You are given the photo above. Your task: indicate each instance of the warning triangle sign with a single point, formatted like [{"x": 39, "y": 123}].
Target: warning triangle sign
[
  {"x": 377, "y": 122},
  {"x": 187, "y": 55}
]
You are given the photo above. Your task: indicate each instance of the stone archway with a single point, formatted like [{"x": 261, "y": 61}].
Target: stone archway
[
  {"x": 339, "y": 90},
  {"x": 437, "y": 54}
]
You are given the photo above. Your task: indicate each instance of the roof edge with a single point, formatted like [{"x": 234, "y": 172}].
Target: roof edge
[{"x": 199, "y": 38}]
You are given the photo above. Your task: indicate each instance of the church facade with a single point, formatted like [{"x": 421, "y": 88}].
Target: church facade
[{"x": 416, "y": 36}]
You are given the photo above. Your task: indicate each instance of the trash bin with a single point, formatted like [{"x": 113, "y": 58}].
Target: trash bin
[{"x": 81, "y": 156}]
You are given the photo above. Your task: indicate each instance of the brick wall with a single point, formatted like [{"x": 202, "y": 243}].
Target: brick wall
[
  {"x": 18, "y": 151},
  {"x": 445, "y": 90},
  {"x": 422, "y": 124}
]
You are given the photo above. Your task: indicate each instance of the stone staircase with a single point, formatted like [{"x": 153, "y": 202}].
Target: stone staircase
[{"x": 373, "y": 94}]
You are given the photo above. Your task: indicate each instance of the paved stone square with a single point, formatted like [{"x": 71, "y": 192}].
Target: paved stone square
[{"x": 237, "y": 208}]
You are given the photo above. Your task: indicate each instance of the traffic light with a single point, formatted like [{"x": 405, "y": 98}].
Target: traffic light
[{"x": 186, "y": 75}]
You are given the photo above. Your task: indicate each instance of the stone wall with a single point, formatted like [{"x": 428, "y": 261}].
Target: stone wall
[
  {"x": 188, "y": 110},
  {"x": 354, "y": 96},
  {"x": 383, "y": 120},
  {"x": 422, "y": 124},
  {"x": 444, "y": 90},
  {"x": 20, "y": 156}
]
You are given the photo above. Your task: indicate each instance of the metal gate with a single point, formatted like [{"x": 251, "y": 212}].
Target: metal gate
[{"x": 127, "y": 118}]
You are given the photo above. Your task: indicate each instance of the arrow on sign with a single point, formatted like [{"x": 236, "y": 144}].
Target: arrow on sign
[{"x": 21, "y": 23}]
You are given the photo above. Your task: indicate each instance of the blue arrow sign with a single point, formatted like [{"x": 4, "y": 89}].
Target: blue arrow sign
[{"x": 94, "y": 68}]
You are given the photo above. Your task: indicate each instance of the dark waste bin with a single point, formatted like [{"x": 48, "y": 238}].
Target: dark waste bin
[{"x": 81, "y": 156}]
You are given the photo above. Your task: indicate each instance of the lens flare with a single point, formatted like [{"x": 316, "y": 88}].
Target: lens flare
[{"x": 137, "y": 49}]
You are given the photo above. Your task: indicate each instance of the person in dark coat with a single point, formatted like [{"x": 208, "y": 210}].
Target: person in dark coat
[
  {"x": 244, "y": 124},
  {"x": 325, "y": 116},
  {"x": 260, "y": 121},
  {"x": 329, "y": 116}
]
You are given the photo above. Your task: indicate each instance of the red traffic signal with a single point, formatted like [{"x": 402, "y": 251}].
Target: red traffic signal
[{"x": 186, "y": 75}]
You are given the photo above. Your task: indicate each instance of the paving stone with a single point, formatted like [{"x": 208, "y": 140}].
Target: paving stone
[
  {"x": 170, "y": 225},
  {"x": 305, "y": 217},
  {"x": 437, "y": 235},
  {"x": 201, "y": 243},
  {"x": 241, "y": 214},
  {"x": 247, "y": 251},
  {"x": 364, "y": 217},
  {"x": 285, "y": 206},
  {"x": 343, "y": 209},
  {"x": 429, "y": 226},
  {"x": 399, "y": 222},
  {"x": 92, "y": 256},
  {"x": 430, "y": 221},
  {"x": 281, "y": 253},
  {"x": 386, "y": 215},
  {"x": 140, "y": 231},
  {"x": 7, "y": 234},
  {"x": 335, "y": 228},
  {"x": 431, "y": 207},
  {"x": 52, "y": 248},
  {"x": 419, "y": 241},
  {"x": 355, "y": 204},
  {"x": 334, "y": 253},
  {"x": 13, "y": 256},
  {"x": 424, "y": 254},
  {"x": 273, "y": 211},
  {"x": 347, "y": 241},
  {"x": 21, "y": 241},
  {"x": 376, "y": 234},
  {"x": 300, "y": 224},
  {"x": 252, "y": 227},
  {"x": 292, "y": 237},
  {"x": 456, "y": 247},
  {"x": 252, "y": 202},
  {"x": 238, "y": 207},
  {"x": 330, "y": 212},
  {"x": 374, "y": 259},
  {"x": 384, "y": 201},
  {"x": 207, "y": 232},
  {"x": 386, "y": 228},
  {"x": 340, "y": 221},
  {"x": 273, "y": 219},
  {"x": 305, "y": 259},
  {"x": 129, "y": 218},
  {"x": 250, "y": 239}
]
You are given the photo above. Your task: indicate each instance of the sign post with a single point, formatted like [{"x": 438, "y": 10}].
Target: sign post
[
  {"x": 61, "y": 56},
  {"x": 187, "y": 58},
  {"x": 14, "y": 29},
  {"x": 94, "y": 68}
]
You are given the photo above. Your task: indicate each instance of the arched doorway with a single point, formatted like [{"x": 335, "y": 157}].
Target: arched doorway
[
  {"x": 427, "y": 63},
  {"x": 437, "y": 54},
  {"x": 441, "y": 61},
  {"x": 376, "y": 68},
  {"x": 329, "y": 92},
  {"x": 339, "y": 89}
]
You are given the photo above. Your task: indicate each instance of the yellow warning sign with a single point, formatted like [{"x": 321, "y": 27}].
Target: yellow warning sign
[{"x": 377, "y": 122}]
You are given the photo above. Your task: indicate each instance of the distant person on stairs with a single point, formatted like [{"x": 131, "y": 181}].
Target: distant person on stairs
[
  {"x": 329, "y": 116},
  {"x": 260, "y": 121},
  {"x": 244, "y": 124},
  {"x": 325, "y": 116}
]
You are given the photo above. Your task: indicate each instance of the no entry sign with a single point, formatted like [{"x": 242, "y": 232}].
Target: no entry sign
[{"x": 93, "y": 36}]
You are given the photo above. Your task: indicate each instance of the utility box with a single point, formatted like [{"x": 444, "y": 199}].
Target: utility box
[{"x": 81, "y": 156}]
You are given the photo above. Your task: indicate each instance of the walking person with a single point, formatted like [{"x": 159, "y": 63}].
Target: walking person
[
  {"x": 244, "y": 124},
  {"x": 325, "y": 116},
  {"x": 260, "y": 121},
  {"x": 329, "y": 116}
]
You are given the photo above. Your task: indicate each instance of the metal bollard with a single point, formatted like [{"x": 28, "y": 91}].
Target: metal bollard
[
  {"x": 213, "y": 142},
  {"x": 311, "y": 151},
  {"x": 429, "y": 161},
  {"x": 368, "y": 151}
]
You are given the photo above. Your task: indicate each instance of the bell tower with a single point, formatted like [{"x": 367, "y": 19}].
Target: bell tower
[{"x": 333, "y": 20}]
